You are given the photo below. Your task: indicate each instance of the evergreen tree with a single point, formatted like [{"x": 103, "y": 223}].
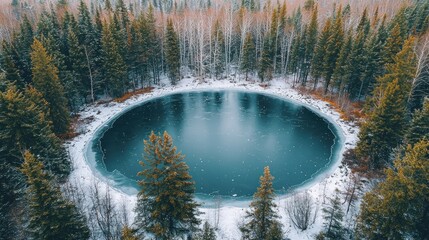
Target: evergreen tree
[
  {"x": 265, "y": 68},
  {"x": 397, "y": 207},
  {"x": 79, "y": 84},
  {"x": 172, "y": 53},
  {"x": 402, "y": 69},
  {"x": 51, "y": 216},
  {"x": 384, "y": 128},
  {"x": 12, "y": 74},
  {"x": 320, "y": 52},
  {"x": 339, "y": 76},
  {"x": 333, "y": 216},
  {"x": 123, "y": 12},
  {"x": 114, "y": 68},
  {"x": 207, "y": 233},
  {"x": 248, "y": 62},
  {"x": 419, "y": 127},
  {"x": 356, "y": 65},
  {"x": 45, "y": 80},
  {"x": 152, "y": 46},
  {"x": 310, "y": 44},
  {"x": 333, "y": 48},
  {"x": 128, "y": 234},
  {"x": 218, "y": 51},
  {"x": 24, "y": 125},
  {"x": 22, "y": 48},
  {"x": 262, "y": 221},
  {"x": 393, "y": 44},
  {"x": 165, "y": 206}
]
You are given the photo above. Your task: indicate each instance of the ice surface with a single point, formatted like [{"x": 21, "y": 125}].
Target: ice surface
[{"x": 231, "y": 212}]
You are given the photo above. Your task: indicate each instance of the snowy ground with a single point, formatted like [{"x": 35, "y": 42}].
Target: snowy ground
[{"x": 84, "y": 175}]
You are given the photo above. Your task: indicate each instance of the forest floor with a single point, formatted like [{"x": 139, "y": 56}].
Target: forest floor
[{"x": 230, "y": 214}]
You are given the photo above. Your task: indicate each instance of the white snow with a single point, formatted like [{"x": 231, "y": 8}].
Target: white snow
[{"x": 230, "y": 214}]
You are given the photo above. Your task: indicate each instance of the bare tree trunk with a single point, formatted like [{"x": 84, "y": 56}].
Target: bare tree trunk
[{"x": 90, "y": 75}]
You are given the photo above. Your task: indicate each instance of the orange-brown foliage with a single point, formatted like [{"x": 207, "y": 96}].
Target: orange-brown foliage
[{"x": 130, "y": 94}]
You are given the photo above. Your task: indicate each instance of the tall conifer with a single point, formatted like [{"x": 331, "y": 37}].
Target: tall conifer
[
  {"x": 46, "y": 81},
  {"x": 51, "y": 217},
  {"x": 262, "y": 220},
  {"x": 248, "y": 61},
  {"x": 397, "y": 207},
  {"x": 165, "y": 206},
  {"x": 172, "y": 53}
]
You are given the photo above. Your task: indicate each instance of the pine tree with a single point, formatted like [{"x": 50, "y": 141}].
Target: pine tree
[
  {"x": 218, "y": 51},
  {"x": 172, "y": 53},
  {"x": 320, "y": 52},
  {"x": 50, "y": 215},
  {"x": 403, "y": 69},
  {"x": 12, "y": 74},
  {"x": 356, "y": 65},
  {"x": 80, "y": 84},
  {"x": 310, "y": 44},
  {"x": 152, "y": 46},
  {"x": 165, "y": 206},
  {"x": 114, "y": 68},
  {"x": 262, "y": 220},
  {"x": 339, "y": 76},
  {"x": 397, "y": 207},
  {"x": 333, "y": 48},
  {"x": 22, "y": 49},
  {"x": 24, "y": 125},
  {"x": 128, "y": 234},
  {"x": 45, "y": 80},
  {"x": 393, "y": 44},
  {"x": 265, "y": 68},
  {"x": 419, "y": 127},
  {"x": 207, "y": 233},
  {"x": 333, "y": 216},
  {"x": 248, "y": 62},
  {"x": 384, "y": 128}
]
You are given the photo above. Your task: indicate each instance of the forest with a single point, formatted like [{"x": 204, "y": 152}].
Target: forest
[{"x": 368, "y": 59}]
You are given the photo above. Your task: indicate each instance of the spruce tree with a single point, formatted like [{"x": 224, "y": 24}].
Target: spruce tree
[
  {"x": 265, "y": 68},
  {"x": 24, "y": 125},
  {"x": 356, "y": 65},
  {"x": 333, "y": 48},
  {"x": 114, "y": 68},
  {"x": 172, "y": 53},
  {"x": 402, "y": 69},
  {"x": 50, "y": 215},
  {"x": 80, "y": 84},
  {"x": 310, "y": 44},
  {"x": 320, "y": 52},
  {"x": 262, "y": 221},
  {"x": 45, "y": 80},
  {"x": 397, "y": 207},
  {"x": 165, "y": 205},
  {"x": 419, "y": 127},
  {"x": 128, "y": 234},
  {"x": 393, "y": 44},
  {"x": 207, "y": 233},
  {"x": 218, "y": 51},
  {"x": 384, "y": 128},
  {"x": 248, "y": 62},
  {"x": 333, "y": 216},
  {"x": 152, "y": 46},
  {"x": 339, "y": 77}
]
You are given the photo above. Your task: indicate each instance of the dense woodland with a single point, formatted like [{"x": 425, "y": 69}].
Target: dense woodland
[{"x": 370, "y": 58}]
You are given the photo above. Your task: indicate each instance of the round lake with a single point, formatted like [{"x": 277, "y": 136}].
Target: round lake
[{"x": 228, "y": 137}]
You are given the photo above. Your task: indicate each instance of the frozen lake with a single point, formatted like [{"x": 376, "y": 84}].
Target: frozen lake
[{"x": 228, "y": 137}]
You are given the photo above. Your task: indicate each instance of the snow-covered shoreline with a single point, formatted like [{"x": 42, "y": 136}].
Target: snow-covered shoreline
[{"x": 230, "y": 216}]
